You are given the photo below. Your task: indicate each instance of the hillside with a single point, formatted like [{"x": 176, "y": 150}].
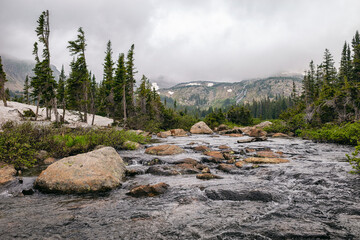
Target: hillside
[
  {"x": 204, "y": 94},
  {"x": 16, "y": 71}
]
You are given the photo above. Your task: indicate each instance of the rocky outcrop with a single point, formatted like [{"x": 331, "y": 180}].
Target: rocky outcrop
[
  {"x": 149, "y": 190},
  {"x": 164, "y": 150},
  {"x": 7, "y": 173},
  {"x": 99, "y": 170},
  {"x": 201, "y": 128},
  {"x": 258, "y": 160}
]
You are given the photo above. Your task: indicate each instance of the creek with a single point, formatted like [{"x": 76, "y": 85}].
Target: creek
[{"x": 311, "y": 197}]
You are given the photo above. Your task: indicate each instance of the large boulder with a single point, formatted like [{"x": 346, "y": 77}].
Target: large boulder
[
  {"x": 201, "y": 128},
  {"x": 99, "y": 170},
  {"x": 263, "y": 124},
  {"x": 164, "y": 134},
  {"x": 7, "y": 173},
  {"x": 164, "y": 150},
  {"x": 257, "y": 133}
]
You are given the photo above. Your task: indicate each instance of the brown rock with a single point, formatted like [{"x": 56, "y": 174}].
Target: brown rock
[
  {"x": 226, "y": 167},
  {"x": 163, "y": 134},
  {"x": 214, "y": 154},
  {"x": 178, "y": 132},
  {"x": 7, "y": 173},
  {"x": 263, "y": 124},
  {"x": 201, "y": 128},
  {"x": 231, "y": 161},
  {"x": 163, "y": 170},
  {"x": 265, "y": 160},
  {"x": 207, "y": 176},
  {"x": 250, "y": 150},
  {"x": 164, "y": 150},
  {"x": 222, "y": 127},
  {"x": 187, "y": 161},
  {"x": 49, "y": 161},
  {"x": 267, "y": 154},
  {"x": 99, "y": 170},
  {"x": 239, "y": 164},
  {"x": 246, "y": 130},
  {"x": 280, "y": 135},
  {"x": 224, "y": 147},
  {"x": 234, "y": 135},
  {"x": 257, "y": 133},
  {"x": 205, "y": 170},
  {"x": 246, "y": 140},
  {"x": 149, "y": 190},
  {"x": 41, "y": 155},
  {"x": 202, "y": 148}
]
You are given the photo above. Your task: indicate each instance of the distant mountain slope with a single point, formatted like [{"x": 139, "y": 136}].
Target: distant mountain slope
[
  {"x": 204, "y": 94},
  {"x": 16, "y": 71}
]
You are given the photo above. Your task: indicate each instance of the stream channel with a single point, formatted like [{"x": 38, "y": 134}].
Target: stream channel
[{"x": 311, "y": 197}]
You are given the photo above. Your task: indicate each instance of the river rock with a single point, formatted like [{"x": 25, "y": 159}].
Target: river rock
[
  {"x": 207, "y": 176},
  {"x": 222, "y": 127},
  {"x": 224, "y": 147},
  {"x": 202, "y": 148},
  {"x": 280, "y": 135},
  {"x": 226, "y": 167},
  {"x": 263, "y": 124},
  {"x": 99, "y": 170},
  {"x": 214, "y": 154},
  {"x": 164, "y": 150},
  {"x": 265, "y": 160},
  {"x": 266, "y": 154},
  {"x": 49, "y": 161},
  {"x": 187, "y": 161},
  {"x": 7, "y": 173},
  {"x": 246, "y": 140},
  {"x": 178, "y": 133},
  {"x": 201, "y": 128},
  {"x": 239, "y": 164},
  {"x": 149, "y": 190},
  {"x": 130, "y": 145},
  {"x": 234, "y": 135},
  {"x": 235, "y": 130},
  {"x": 257, "y": 133},
  {"x": 164, "y": 134}
]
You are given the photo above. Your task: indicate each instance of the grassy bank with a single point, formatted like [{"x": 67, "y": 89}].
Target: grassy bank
[{"x": 20, "y": 143}]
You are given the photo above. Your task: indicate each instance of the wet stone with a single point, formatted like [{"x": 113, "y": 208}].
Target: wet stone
[
  {"x": 207, "y": 176},
  {"x": 149, "y": 190}
]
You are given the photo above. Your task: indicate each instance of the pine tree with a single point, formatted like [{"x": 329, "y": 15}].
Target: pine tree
[
  {"x": 2, "y": 84},
  {"x": 61, "y": 92},
  {"x": 78, "y": 81},
  {"x": 108, "y": 81},
  {"x": 356, "y": 58},
  {"x": 48, "y": 83},
  {"x": 329, "y": 76},
  {"x": 120, "y": 87},
  {"x": 345, "y": 66},
  {"x": 130, "y": 80},
  {"x": 143, "y": 91},
  {"x": 26, "y": 90},
  {"x": 93, "y": 96}
]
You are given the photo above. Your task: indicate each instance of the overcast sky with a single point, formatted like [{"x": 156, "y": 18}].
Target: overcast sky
[{"x": 187, "y": 40}]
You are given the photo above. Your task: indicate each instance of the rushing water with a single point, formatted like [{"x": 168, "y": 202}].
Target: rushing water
[{"x": 311, "y": 197}]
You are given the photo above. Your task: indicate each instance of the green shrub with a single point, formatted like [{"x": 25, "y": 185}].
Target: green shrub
[
  {"x": 278, "y": 126},
  {"x": 354, "y": 159},
  {"x": 19, "y": 143}
]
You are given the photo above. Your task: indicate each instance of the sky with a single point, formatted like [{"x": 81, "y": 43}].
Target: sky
[{"x": 187, "y": 40}]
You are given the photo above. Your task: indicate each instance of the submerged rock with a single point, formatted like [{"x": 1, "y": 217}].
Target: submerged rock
[
  {"x": 248, "y": 195},
  {"x": 226, "y": 167},
  {"x": 7, "y": 173},
  {"x": 164, "y": 150},
  {"x": 267, "y": 154},
  {"x": 207, "y": 176},
  {"x": 149, "y": 190},
  {"x": 265, "y": 160},
  {"x": 201, "y": 128},
  {"x": 99, "y": 170}
]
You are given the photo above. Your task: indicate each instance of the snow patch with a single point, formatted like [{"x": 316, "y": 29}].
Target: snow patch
[
  {"x": 193, "y": 84},
  {"x": 170, "y": 92},
  {"x": 229, "y": 90},
  {"x": 210, "y": 84},
  {"x": 154, "y": 86}
]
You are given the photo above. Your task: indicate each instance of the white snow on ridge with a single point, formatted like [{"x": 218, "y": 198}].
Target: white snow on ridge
[
  {"x": 210, "y": 84},
  {"x": 229, "y": 90},
  {"x": 170, "y": 92},
  {"x": 193, "y": 84}
]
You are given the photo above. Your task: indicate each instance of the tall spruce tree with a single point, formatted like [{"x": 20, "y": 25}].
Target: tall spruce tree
[
  {"x": 130, "y": 81},
  {"x": 356, "y": 58},
  {"x": 48, "y": 85},
  {"x": 120, "y": 88},
  {"x": 108, "y": 81},
  {"x": 2, "y": 84},
  {"x": 26, "y": 90},
  {"x": 329, "y": 76},
  {"x": 93, "y": 96},
  {"x": 61, "y": 92},
  {"x": 78, "y": 81}
]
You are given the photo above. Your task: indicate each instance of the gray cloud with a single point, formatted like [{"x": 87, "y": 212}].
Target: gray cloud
[{"x": 188, "y": 40}]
